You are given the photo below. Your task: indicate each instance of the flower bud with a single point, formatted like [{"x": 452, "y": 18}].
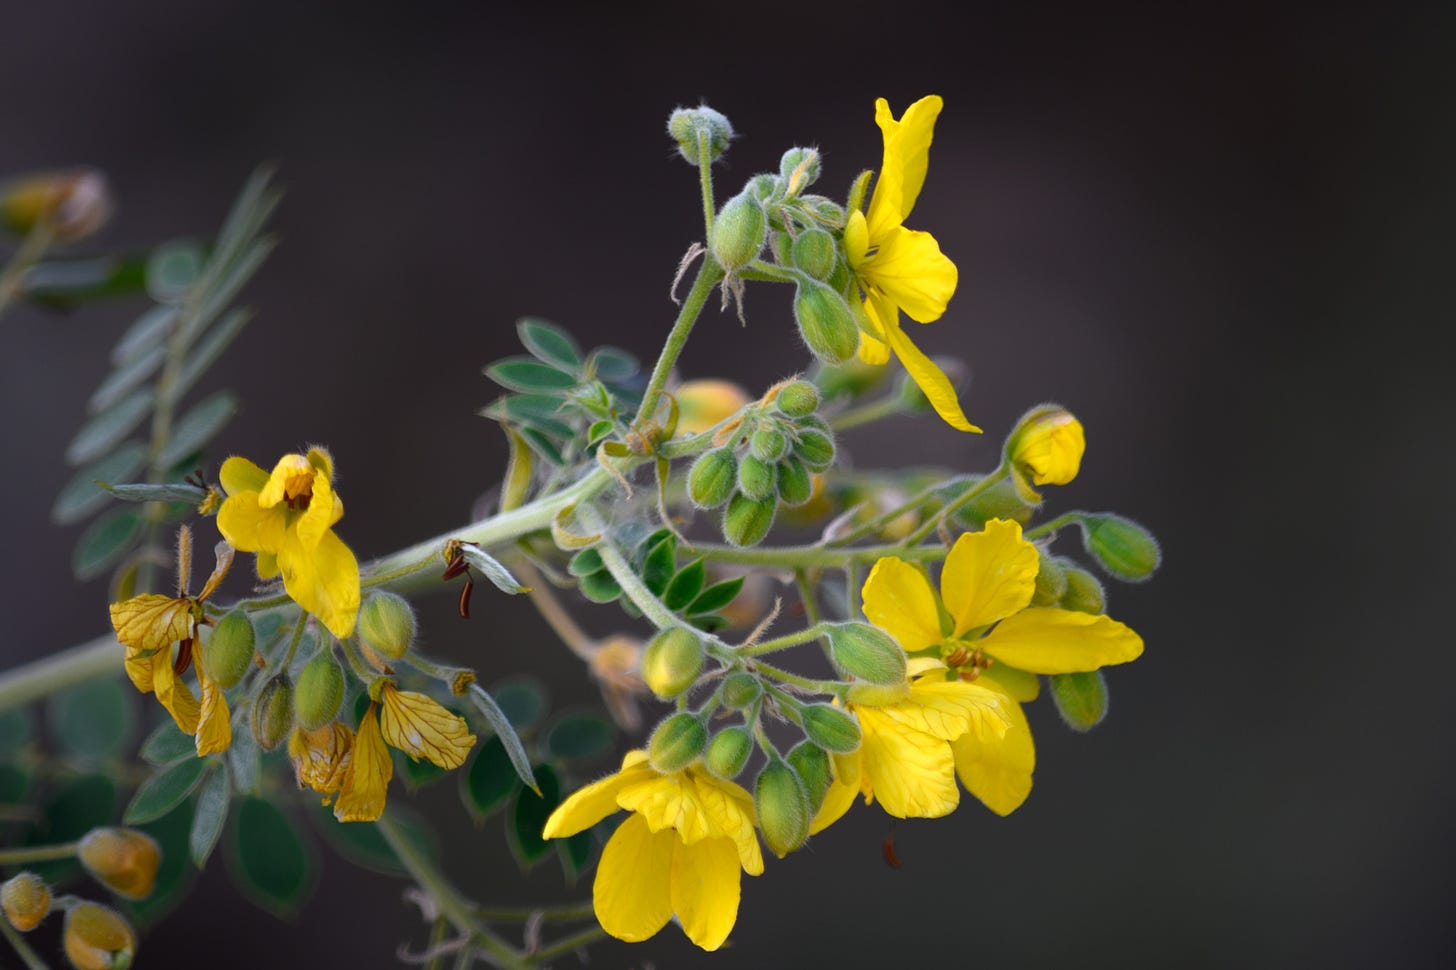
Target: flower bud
[
  {"x": 124, "y": 859},
  {"x": 755, "y": 478},
  {"x": 319, "y": 692},
  {"x": 26, "y": 900},
  {"x": 782, "y": 803},
  {"x": 831, "y": 728},
  {"x": 746, "y": 522},
  {"x": 815, "y": 253},
  {"x": 676, "y": 742},
  {"x": 273, "y": 712},
  {"x": 98, "y": 938},
  {"x": 1081, "y": 698},
  {"x": 672, "y": 661},
  {"x": 1123, "y": 548},
  {"x": 798, "y": 399},
  {"x": 815, "y": 449},
  {"x": 703, "y": 403},
  {"x": 228, "y": 652},
  {"x": 812, "y": 764},
  {"x": 1046, "y": 445},
  {"x": 1084, "y": 592},
  {"x": 799, "y": 168},
  {"x": 387, "y": 625},
  {"x": 795, "y": 487},
  {"x": 825, "y": 322},
  {"x": 782, "y": 246},
  {"x": 768, "y": 444},
  {"x": 686, "y": 124},
  {"x": 71, "y": 205},
  {"x": 739, "y": 690},
  {"x": 867, "y": 653},
  {"x": 728, "y": 751},
  {"x": 712, "y": 478},
  {"x": 766, "y": 188},
  {"x": 1051, "y": 580},
  {"x": 739, "y": 232}
]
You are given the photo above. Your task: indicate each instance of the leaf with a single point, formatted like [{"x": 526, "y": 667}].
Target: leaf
[
  {"x": 222, "y": 287},
  {"x": 540, "y": 411},
  {"x": 659, "y": 566},
  {"x": 529, "y": 376},
  {"x": 544, "y": 446},
  {"x": 83, "y": 496},
  {"x": 580, "y": 737},
  {"x": 269, "y": 860},
  {"x": 172, "y": 268},
  {"x": 415, "y": 774},
  {"x": 362, "y": 845},
  {"x": 710, "y": 622},
  {"x": 125, "y": 379},
  {"x": 245, "y": 760},
  {"x": 585, "y": 563},
  {"x": 209, "y": 817},
  {"x": 190, "y": 495},
  {"x": 104, "y": 542},
  {"x": 611, "y": 364},
  {"x": 599, "y": 430},
  {"x": 717, "y": 596},
  {"x": 489, "y": 781},
  {"x": 522, "y": 700},
  {"x": 517, "y": 482},
  {"x": 685, "y": 586},
  {"x": 601, "y": 587},
  {"x": 209, "y": 349},
  {"x": 529, "y": 812},
  {"x": 61, "y": 284},
  {"x": 254, "y": 204},
  {"x": 77, "y": 807},
  {"x": 167, "y": 745},
  {"x": 148, "y": 333},
  {"x": 198, "y": 426},
  {"x": 562, "y": 535},
  {"x": 507, "y": 734},
  {"x": 575, "y": 852},
  {"x": 494, "y": 571},
  {"x": 101, "y": 433},
  {"x": 16, "y": 730},
  {"x": 14, "y": 784},
  {"x": 165, "y": 790},
  {"x": 549, "y": 343},
  {"x": 94, "y": 721}
]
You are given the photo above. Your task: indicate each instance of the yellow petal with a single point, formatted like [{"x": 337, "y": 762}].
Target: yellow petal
[
  {"x": 910, "y": 773},
  {"x": 705, "y": 888},
  {"x": 321, "y": 461},
  {"x": 324, "y": 580},
  {"x": 584, "y": 808},
  {"x": 898, "y": 599},
  {"x": 909, "y": 268},
  {"x": 139, "y": 669},
  {"x": 149, "y": 622},
  {"x": 873, "y": 351},
  {"x": 320, "y": 515},
  {"x": 632, "y": 893},
  {"x": 946, "y": 709},
  {"x": 931, "y": 380},
  {"x": 421, "y": 728},
  {"x": 214, "y": 722},
  {"x": 909, "y": 138},
  {"x": 240, "y": 475},
  {"x": 856, "y": 239},
  {"x": 321, "y": 758},
  {"x": 174, "y": 693},
  {"x": 998, "y": 770},
  {"x": 988, "y": 575},
  {"x": 841, "y": 793},
  {"x": 248, "y": 527},
  {"x": 292, "y": 478},
  {"x": 670, "y": 802},
  {"x": 366, "y": 780},
  {"x": 1046, "y": 640},
  {"x": 730, "y": 810}
]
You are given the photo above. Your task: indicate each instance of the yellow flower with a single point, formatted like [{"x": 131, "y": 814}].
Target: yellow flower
[
  {"x": 1046, "y": 447},
  {"x": 366, "y": 776},
  {"x": 680, "y": 852},
  {"x": 287, "y": 518},
  {"x": 419, "y": 727},
  {"x": 987, "y": 585},
  {"x": 898, "y": 268},
  {"x": 321, "y": 758}
]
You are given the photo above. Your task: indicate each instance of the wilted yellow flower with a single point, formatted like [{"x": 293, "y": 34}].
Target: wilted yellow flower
[
  {"x": 680, "y": 852},
  {"x": 365, "y": 784},
  {"x": 321, "y": 758},
  {"x": 287, "y": 518},
  {"x": 421, "y": 728},
  {"x": 124, "y": 859}
]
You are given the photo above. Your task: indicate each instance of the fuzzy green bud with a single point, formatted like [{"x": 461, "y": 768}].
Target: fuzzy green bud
[
  {"x": 815, "y": 253},
  {"x": 812, "y": 764},
  {"x": 97, "y": 937},
  {"x": 782, "y": 246},
  {"x": 1081, "y": 698},
  {"x": 672, "y": 661},
  {"x": 739, "y": 690},
  {"x": 228, "y": 652},
  {"x": 320, "y": 691},
  {"x": 125, "y": 860},
  {"x": 799, "y": 169},
  {"x": 1122, "y": 547},
  {"x": 712, "y": 478},
  {"x": 794, "y": 485},
  {"x": 1084, "y": 592},
  {"x": 798, "y": 399},
  {"x": 766, "y": 188},
  {"x": 739, "y": 232},
  {"x": 825, "y": 322},
  {"x": 755, "y": 478},
  {"x": 782, "y": 802},
  {"x": 676, "y": 742},
  {"x": 1051, "y": 580},
  {"x": 686, "y": 125},
  {"x": 387, "y": 625},
  {"x": 832, "y": 728},
  {"x": 746, "y": 522},
  {"x": 26, "y": 900},
  {"x": 768, "y": 444},
  {"x": 815, "y": 449},
  {"x": 728, "y": 751},
  {"x": 273, "y": 712},
  {"x": 867, "y": 653}
]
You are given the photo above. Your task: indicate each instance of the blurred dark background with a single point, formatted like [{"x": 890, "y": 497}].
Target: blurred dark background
[{"x": 1220, "y": 234}]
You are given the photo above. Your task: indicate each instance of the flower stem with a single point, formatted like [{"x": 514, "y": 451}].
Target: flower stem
[
  {"x": 783, "y": 642},
  {"x": 705, "y": 179},
  {"x": 24, "y": 855},
  {"x": 55, "y": 673},
  {"x": 569, "y": 944},
  {"x": 556, "y": 616},
  {"x": 779, "y": 674},
  {"x": 28, "y": 956},
  {"x": 809, "y": 557},
  {"x": 886, "y": 407},
  {"x": 12, "y": 277},
  {"x": 632, "y": 586},
  {"x": 520, "y": 914},
  {"x": 965, "y": 499},
  {"x": 1052, "y": 525},
  {"x": 884, "y": 519},
  {"x": 709, "y": 273}
]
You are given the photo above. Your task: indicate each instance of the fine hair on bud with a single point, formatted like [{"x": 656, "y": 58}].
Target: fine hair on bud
[
  {"x": 867, "y": 653},
  {"x": 755, "y": 478},
  {"x": 746, "y": 521},
  {"x": 1084, "y": 592},
  {"x": 1081, "y": 698},
  {"x": 672, "y": 661},
  {"x": 798, "y": 399},
  {"x": 387, "y": 624},
  {"x": 794, "y": 484},
  {"x": 1051, "y": 579},
  {"x": 1121, "y": 546},
  {"x": 26, "y": 900},
  {"x": 812, "y": 764},
  {"x": 739, "y": 232},
  {"x": 739, "y": 690},
  {"x": 685, "y": 125},
  {"x": 272, "y": 715},
  {"x": 815, "y": 252},
  {"x": 768, "y": 444},
  {"x": 782, "y": 801},
  {"x": 227, "y": 653},
  {"x": 831, "y": 728},
  {"x": 825, "y": 322},
  {"x": 677, "y": 742},
  {"x": 319, "y": 690},
  {"x": 815, "y": 449},
  {"x": 728, "y": 752}
]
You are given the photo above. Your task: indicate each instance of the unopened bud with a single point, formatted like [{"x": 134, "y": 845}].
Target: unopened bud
[
  {"x": 26, "y": 900},
  {"x": 228, "y": 652},
  {"x": 755, "y": 478},
  {"x": 1081, "y": 698},
  {"x": 685, "y": 125},
  {"x": 768, "y": 444},
  {"x": 703, "y": 403},
  {"x": 795, "y": 487},
  {"x": 867, "y": 654},
  {"x": 798, "y": 399},
  {"x": 1084, "y": 592},
  {"x": 746, "y": 522},
  {"x": 1051, "y": 580},
  {"x": 70, "y": 205},
  {"x": 387, "y": 625},
  {"x": 1125, "y": 549},
  {"x": 1046, "y": 445},
  {"x": 676, "y": 742},
  {"x": 815, "y": 449},
  {"x": 825, "y": 322},
  {"x": 782, "y": 803},
  {"x": 832, "y": 728},
  {"x": 812, "y": 764},
  {"x": 98, "y": 938},
  {"x": 766, "y": 188},
  {"x": 712, "y": 478},
  {"x": 815, "y": 253},
  {"x": 799, "y": 168},
  {"x": 124, "y": 859},
  {"x": 739, "y": 690},
  {"x": 739, "y": 232},
  {"x": 728, "y": 751},
  {"x": 672, "y": 661},
  {"x": 320, "y": 691},
  {"x": 273, "y": 712}
]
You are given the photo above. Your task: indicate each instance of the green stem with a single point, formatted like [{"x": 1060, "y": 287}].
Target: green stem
[
  {"x": 25, "y": 855},
  {"x": 815, "y": 556},
  {"x": 400, "y": 572},
  {"x": 29, "y": 957},
  {"x": 709, "y": 273},
  {"x": 965, "y": 499},
  {"x": 1052, "y": 525},
  {"x": 806, "y": 596},
  {"x": 705, "y": 179},
  {"x": 884, "y": 519},
  {"x": 784, "y": 642},
  {"x": 779, "y": 674},
  {"x": 569, "y": 944},
  {"x": 12, "y": 277},
  {"x": 520, "y": 914},
  {"x": 49, "y": 675},
  {"x": 886, "y": 407},
  {"x": 632, "y": 586},
  {"x": 287, "y": 657}
]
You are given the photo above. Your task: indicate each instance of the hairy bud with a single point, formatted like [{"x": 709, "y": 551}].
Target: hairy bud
[
  {"x": 739, "y": 232},
  {"x": 746, "y": 522},
  {"x": 685, "y": 125},
  {"x": 320, "y": 691},
  {"x": 1084, "y": 592},
  {"x": 812, "y": 764},
  {"x": 387, "y": 625},
  {"x": 815, "y": 253},
  {"x": 273, "y": 712},
  {"x": 26, "y": 900},
  {"x": 98, "y": 938},
  {"x": 799, "y": 169},
  {"x": 676, "y": 742},
  {"x": 1045, "y": 447},
  {"x": 825, "y": 322},
  {"x": 1081, "y": 698},
  {"x": 782, "y": 802},
  {"x": 768, "y": 444},
  {"x": 728, "y": 751},
  {"x": 70, "y": 205},
  {"x": 672, "y": 661},
  {"x": 832, "y": 728},
  {"x": 795, "y": 487},
  {"x": 815, "y": 449},
  {"x": 228, "y": 652},
  {"x": 1051, "y": 580},
  {"x": 124, "y": 859},
  {"x": 1125, "y": 549},
  {"x": 798, "y": 399},
  {"x": 739, "y": 690},
  {"x": 755, "y": 478},
  {"x": 867, "y": 654}
]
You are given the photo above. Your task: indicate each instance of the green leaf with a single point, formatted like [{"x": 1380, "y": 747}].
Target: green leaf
[
  {"x": 522, "y": 700},
  {"x": 580, "y": 737},
  {"x": 362, "y": 845},
  {"x": 416, "y": 774},
  {"x": 147, "y": 334},
  {"x": 659, "y": 566},
  {"x": 600, "y": 587},
  {"x": 174, "y": 876},
  {"x": 83, "y": 496},
  {"x": 717, "y": 596},
  {"x": 489, "y": 780},
  {"x": 16, "y": 730},
  {"x": 198, "y": 426},
  {"x": 269, "y": 860},
  {"x": 529, "y": 376},
  {"x": 209, "y": 816},
  {"x": 167, "y": 745},
  {"x": 77, "y": 807},
  {"x": 61, "y": 284},
  {"x": 104, "y": 542},
  {"x": 529, "y": 813},
  {"x": 549, "y": 343},
  {"x": 710, "y": 622},
  {"x": 245, "y": 760},
  {"x": 585, "y": 563},
  {"x": 172, "y": 269},
  {"x": 14, "y": 784},
  {"x": 498, "y": 574},
  {"x": 544, "y": 446},
  {"x": 599, "y": 430},
  {"x": 575, "y": 852},
  {"x": 501, "y": 724},
  {"x": 611, "y": 364},
  {"x": 223, "y": 285},
  {"x": 125, "y": 379},
  {"x": 189, "y": 495},
  {"x": 209, "y": 349},
  {"x": 99, "y": 435},
  {"x": 165, "y": 790},
  {"x": 94, "y": 721},
  {"x": 685, "y": 586}
]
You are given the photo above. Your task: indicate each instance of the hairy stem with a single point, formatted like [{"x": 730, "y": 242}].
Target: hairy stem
[
  {"x": 29, "y": 957},
  {"x": 709, "y": 273},
  {"x": 809, "y": 557}
]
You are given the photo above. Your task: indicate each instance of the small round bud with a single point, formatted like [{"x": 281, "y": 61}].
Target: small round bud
[
  {"x": 815, "y": 253},
  {"x": 815, "y": 449},
  {"x": 825, "y": 322},
  {"x": 1122, "y": 547},
  {"x": 228, "y": 652},
  {"x": 686, "y": 124},
  {"x": 1000, "y": 501},
  {"x": 1081, "y": 698},
  {"x": 712, "y": 478},
  {"x": 1046, "y": 445},
  {"x": 728, "y": 751},
  {"x": 98, "y": 938},
  {"x": 782, "y": 802},
  {"x": 320, "y": 691},
  {"x": 672, "y": 661},
  {"x": 794, "y": 484},
  {"x": 1084, "y": 592},
  {"x": 799, "y": 169},
  {"x": 676, "y": 742},
  {"x": 739, "y": 690},
  {"x": 746, "y": 522},
  {"x": 739, "y": 232},
  {"x": 755, "y": 478},
  {"x": 26, "y": 900},
  {"x": 124, "y": 859},
  {"x": 812, "y": 764},
  {"x": 867, "y": 653},
  {"x": 273, "y": 712},
  {"x": 798, "y": 399},
  {"x": 387, "y": 625},
  {"x": 1051, "y": 580},
  {"x": 70, "y": 205},
  {"x": 703, "y": 403},
  {"x": 832, "y": 728},
  {"x": 768, "y": 444}
]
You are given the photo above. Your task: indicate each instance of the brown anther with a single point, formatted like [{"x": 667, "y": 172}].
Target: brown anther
[
  {"x": 970, "y": 675},
  {"x": 981, "y": 660},
  {"x": 465, "y": 599},
  {"x": 457, "y": 566},
  {"x": 958, "y": 658},
  {"x": 184, "y": 657}
]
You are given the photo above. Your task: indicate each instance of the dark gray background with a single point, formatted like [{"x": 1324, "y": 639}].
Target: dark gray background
[{"x": 1221, "y": 236}]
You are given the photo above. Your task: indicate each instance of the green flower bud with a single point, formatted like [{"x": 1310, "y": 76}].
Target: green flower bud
[
  {"x": 825, "y": 322},
  {"x": 766, "y": 188},
  {"x": 746, "y": 522},
  {"x": 782, "y": 245},
  {"x": 815, "y": 253},
  {"x": 782, "y": 802},
  {"x": 387, "y": 625},
  {"x": 867, "y": 654},
  {"x": 98, "y": 938},
  {"x": 799, "y": 169},
  {"x": 1084, "y": 592},
  {"x": 672, "y": 661},
  {"x": 71, "y": 205},
  {"x": 832, "y": 728},
  {"x": 273, "y": 712},
  {"x": 999, "y": 501},
  {"x": 712, "y": 478},
  {"x": 1051, "y": 580},
  {"x": 827, "y": 211},
  {"x": 320, "y": 691},
  {"x": 739, "y": 690},
  {"x": 812, "y": 764},
  {"x": 26, "y": 900},
  {"x": 228, "y": 652},
  {"x": 755, "y": 478},
  {"x": 1125, "y": 549},
  {"x": 728, "y": 751},
  {"x": 798, "y": 399},
  {"x": 600, "y": 587},
  {"x": 794, "y": 485},
  {"x": 685, "y": 125},
  {"x": 676, "y": 742},
  {"x": 815, "y": 449},
  {"x": 125, "y": 860},
  {"x": 768, "y": 444},
  {"x": 739, "y": 232},
  {"x": 1081, "y": 698}
]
